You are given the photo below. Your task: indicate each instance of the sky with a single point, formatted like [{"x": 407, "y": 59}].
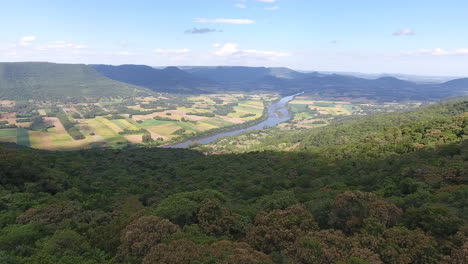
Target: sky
[{"x": 425, "y": 37}]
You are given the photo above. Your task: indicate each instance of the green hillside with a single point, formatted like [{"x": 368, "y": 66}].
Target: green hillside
[
  {"x": 427, "y": 126},
  {"x": 42, "y": 80},
  {"x": 395, "y": 194}
]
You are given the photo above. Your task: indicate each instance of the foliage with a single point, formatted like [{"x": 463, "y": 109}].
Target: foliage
[{"x": 374, "y": 194}]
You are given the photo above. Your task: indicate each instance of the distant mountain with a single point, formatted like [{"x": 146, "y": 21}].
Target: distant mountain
[
  {"x": 421, "y": 79},
  {"x": 230, "y": 74},
  {"x": 43, "y": 80},
  {"x": 48, "y": 80},
  {"x": 287, "y": 81},
  {"x": 170, "y": 79},
  {"x": 458, "y": 83}
]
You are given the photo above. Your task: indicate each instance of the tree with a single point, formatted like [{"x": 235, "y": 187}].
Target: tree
[
  {"x": 142, "y": 234},
  {"x": 20, "y": 238},
  {"x": 237, "y": 253},
  {"x": 277, "y": 200},
  {"x": 351, "y": 208},
  {"x": 54, "y": 215},
  {"x": 181, "y": 208},
  {"x": 434, "y": 220},
  {"x": 217, "y": 220},
  {"x": 458, "y": 255},
  {"x": 329, "y": 246},
  {"x": 180, "y": 251},
  {"x": 398, "y": 245},
  {"x": 277, "y": 229},
  {"x": 146, "y": 138}
]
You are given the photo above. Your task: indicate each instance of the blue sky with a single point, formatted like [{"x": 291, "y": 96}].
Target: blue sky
[{"x": 421, "y": 37}]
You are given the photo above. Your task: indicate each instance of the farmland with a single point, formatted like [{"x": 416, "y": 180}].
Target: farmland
[
  {"x": 119, "y": 122},
  {"x": 308, "y": 112}
]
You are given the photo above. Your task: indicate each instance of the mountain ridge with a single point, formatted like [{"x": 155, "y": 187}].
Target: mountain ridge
[
  {"x": 32, "y": 80},
  {"x": 42, "y": 79}
]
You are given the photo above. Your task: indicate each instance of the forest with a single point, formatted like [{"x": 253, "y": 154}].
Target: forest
[{"x": 388, "y": 188}]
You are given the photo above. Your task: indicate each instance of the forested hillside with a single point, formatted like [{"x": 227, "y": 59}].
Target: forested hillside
[
  {"x": 375, "y": 135},
  {"x": 170, "y": 79},
  {"x": 39, "y": 80},
  {"x": 42, "y": 80},
  {"x": 387, "y": 189}
]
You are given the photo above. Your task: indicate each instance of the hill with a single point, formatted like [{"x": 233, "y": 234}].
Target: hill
[
  {"x": 170, "y": 79},
  {"x": 48, "y": 80},
  {"x": 427, "y": 126},
  {"x": 391, "y": 195},
  {"x": 241, "y": 74},
  {"x": 287, "y": 81},
  {"x": 43, "y": 80}
]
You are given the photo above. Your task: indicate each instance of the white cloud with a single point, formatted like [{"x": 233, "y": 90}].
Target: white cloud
[
  {"x": 240, "y": 5},
  {"x": 404, "y": 32},
  {"x": 61, "y": 44},
  {"x": 264, "y": 53},
  {"x": 26, "y": 40},
  {"x": 125, "y": 53},
  {"x": 227, "y": 49},
  {"x": 439, "y": 52},
  {"x": 272, "y": 8},
  {"x": 267, "y": 1},
  {"x": 171, "y": 51},
  {"x": 233, "y": 50},
  {"x": 225, "y": 20}
]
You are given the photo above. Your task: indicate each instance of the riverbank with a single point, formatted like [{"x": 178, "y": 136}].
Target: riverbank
[{"x": 276, "y": 113}]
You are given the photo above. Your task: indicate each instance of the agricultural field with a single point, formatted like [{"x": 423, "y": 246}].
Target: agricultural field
[
  {"x": 308, "y": 112},
  {"x": 119, "y": 122}
]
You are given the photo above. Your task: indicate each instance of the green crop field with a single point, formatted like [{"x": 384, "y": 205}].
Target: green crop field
[
  {"x": 8, "y": 135},
  {"x": 22, "y": 137}
]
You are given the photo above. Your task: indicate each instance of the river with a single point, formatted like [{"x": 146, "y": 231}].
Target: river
[{"x": 278, "y": 112}]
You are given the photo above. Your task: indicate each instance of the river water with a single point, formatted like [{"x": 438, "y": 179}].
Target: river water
[{"x": 278, "y": 112}]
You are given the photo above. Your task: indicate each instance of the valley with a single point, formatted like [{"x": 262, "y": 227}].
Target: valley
[
  {"x": 165, "y": 119},
  {"x": 233, "y": 132},
  {"x": 119, "y": 122}
]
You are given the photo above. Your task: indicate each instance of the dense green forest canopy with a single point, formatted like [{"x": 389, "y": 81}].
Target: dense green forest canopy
[{"x": 388, "y": 189}]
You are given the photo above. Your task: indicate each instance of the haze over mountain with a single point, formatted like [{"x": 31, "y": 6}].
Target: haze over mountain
[
  {"x": 42, "y": 80},
  {"x": 24, "y": 80},
  {"x": 169, "y": 79}
]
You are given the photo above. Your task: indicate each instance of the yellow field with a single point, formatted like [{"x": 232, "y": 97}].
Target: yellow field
[
  {"x": 127, "y": 124},
  {"x": 101, "y": 128},
  {"x": 106, "y": 122},
  {"x": 164, "y": 130},
  {"x": 337, "y": 110}
]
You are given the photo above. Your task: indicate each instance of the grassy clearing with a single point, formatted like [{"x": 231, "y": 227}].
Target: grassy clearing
[
  {"x": 106, "y": 122},
  {"x": 108, "y": 134},
  {"x": 164, "y": 129},
  {"x": 188, "y": 126},
  {"x": 22, "y": 137},
  {"x": 60, "y": 138},
  {"x": 152, "y": 122},
  {"x": 8, "y": 135},
  {"x": 8, "y": 132},
  {"x": 124, "y": 123}
]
